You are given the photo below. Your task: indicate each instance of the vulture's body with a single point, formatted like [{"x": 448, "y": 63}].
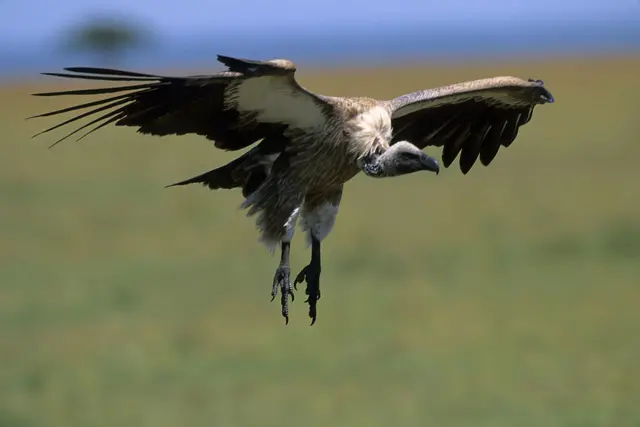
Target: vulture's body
[{"x": 309, "y": 145}]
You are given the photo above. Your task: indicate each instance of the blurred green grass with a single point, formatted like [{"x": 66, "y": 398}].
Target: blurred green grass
[{"x": 507, "y": 297}]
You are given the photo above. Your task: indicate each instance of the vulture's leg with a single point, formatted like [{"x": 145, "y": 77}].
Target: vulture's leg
[
  {"x": 311, "y": 274},
  {"x": 319, "y": 213},
  {"x": 282, "y": 280}
]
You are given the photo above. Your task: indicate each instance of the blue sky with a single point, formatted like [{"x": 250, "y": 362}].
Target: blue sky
[
  {"x": 190, "y": 32},
  {"x": 29, "y": 21}
]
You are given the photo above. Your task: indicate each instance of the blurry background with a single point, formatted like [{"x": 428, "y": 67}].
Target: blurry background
[{"x": 507, "y": 297}]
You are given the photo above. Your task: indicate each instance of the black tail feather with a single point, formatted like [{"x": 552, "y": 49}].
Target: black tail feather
[{"x": 214, "y": 179}]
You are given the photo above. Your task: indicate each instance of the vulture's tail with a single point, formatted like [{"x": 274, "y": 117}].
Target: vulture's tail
[
  {"x": 236, "y": 174},
  {"x": 214, "y": 179}
]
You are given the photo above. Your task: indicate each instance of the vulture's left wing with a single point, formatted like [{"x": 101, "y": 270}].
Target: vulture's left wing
[
  {"x": 473, "y": 118},
  {"x": 249, "y": 101}
]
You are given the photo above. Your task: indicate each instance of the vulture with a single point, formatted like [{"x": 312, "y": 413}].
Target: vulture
[{"x": 305, "y": 146}]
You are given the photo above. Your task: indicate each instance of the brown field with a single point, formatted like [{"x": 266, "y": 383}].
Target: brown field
[{"x": 507, "y": 297}]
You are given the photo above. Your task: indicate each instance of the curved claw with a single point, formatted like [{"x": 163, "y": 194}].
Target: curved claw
[
  {"x": 281, "y": 280},
  {"x": 301, "y": 277},
  {"x": 285, "y": 307},
  {"x": 310, "y": 275},
  {"x": 312, "y": 313},
  {"x": 274, "y": 287},
  {"x": 312, "y": 309}
]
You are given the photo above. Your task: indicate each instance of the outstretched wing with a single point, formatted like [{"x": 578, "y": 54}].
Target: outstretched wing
[
  {"x": 233, "y": 108},
  {"x": 472, "y": 118}
]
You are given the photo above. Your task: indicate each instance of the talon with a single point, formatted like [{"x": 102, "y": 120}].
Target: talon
[
  {"x": 274, "y": 287},
  {"x": 301, "y": 277},
  {"x": 281, "y": 279},
  {"x": 312, "y": 313},
  {"x": 285, "y": 312},
  {"x": 311, "y": 275}
]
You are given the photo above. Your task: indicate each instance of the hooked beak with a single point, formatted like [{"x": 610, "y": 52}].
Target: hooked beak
[{"x": 430, "y": 164}]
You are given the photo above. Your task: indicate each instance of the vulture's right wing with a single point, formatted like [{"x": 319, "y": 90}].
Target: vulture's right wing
[{"x": 473, "y": 119}]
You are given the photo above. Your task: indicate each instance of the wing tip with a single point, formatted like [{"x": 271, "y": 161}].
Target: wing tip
[{"x": 545, "y": 95}]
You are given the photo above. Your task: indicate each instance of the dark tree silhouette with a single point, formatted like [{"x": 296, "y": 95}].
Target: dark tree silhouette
[{"x": 107, "y": 38}]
